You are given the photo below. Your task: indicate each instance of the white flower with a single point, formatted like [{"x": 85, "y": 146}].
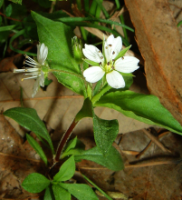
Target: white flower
[
  {"x": 37, "y": 69},
  {"x": 109, "y": 66}
]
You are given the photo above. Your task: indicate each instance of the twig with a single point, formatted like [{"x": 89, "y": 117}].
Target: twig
[
  {"x": 149, "y": 164},
  {"x": 128, "y": 166},
  {"x": 18, "y": 157},
  {"x": 156, "y": 141},
  {"x": 10, "y": 17},
  {"x": 52, "y": 6},
  {"x": 149, "y": 144}
]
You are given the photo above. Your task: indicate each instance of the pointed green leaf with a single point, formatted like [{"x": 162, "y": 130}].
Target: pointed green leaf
[
  {"x": 71, "y": 144},
  {"x": 112, "y": 160},
  {"x": 1, "y": 3},
  {"x": 6, "y": 28},
  {"x": 28, "y": 118},
  {"x": 90, "y": 62},
  {"x": 37, "y": 148},
  {"x": 57, "y": 37},
  {"x": 122, "y": 52},
  {"x": 145, "y": 108},
  {"x": 105, "y": 132},
  {"x": 60, "y": 193},
  {"x": 35, "y": 183},
  {"x": 49, "y": 194},
  {"x": 80, "y": 191},
  {"x": 66, "y": 171},
  {"x": 8, "y": 10}
]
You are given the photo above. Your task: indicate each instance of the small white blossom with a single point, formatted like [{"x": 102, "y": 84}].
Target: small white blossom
[
  {"x": 37, "y": 69},
  {"x": 109, "y": 66}
]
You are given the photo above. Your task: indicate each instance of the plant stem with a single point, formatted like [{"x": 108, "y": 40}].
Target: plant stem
[
  {"x": 64, "y": 139},
  {"x": 100, "y": 94},
  {"x": 106, "y": 195}
]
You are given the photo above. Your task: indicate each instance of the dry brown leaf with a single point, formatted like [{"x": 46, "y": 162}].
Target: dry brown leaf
[
  {"x": 155, "y": 176},
  {"x": 159, "y": 42},
  {"x": 17, "y": 160}
]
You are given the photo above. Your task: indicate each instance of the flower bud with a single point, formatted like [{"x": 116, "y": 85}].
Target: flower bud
[{"x": 77, "y": 49}]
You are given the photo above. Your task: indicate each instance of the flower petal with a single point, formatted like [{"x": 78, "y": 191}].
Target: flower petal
[
  {"x": 93, "y": 74},
  {"x": 108, "y": 48},
  {"x": 18, "y": 70},
  {"x": 36, "y": 87},
  {"x": 115, "y": 79},
  {"x": 127, "y": 64},
  {"x": 112, "y": 47},
  {"x": 41, "y": 80},
  {"x": 93, "y": 53},
  {"x": 117, "y": 46},
  {"x": 42, "y": 52}
]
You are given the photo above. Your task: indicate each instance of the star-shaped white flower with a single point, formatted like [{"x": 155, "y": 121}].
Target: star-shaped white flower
[
  {"x": 107, "y": 65},
  {"x": 37, "y": 69}
]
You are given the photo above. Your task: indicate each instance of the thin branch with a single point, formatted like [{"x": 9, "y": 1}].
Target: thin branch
[{"x": 156, "y": 141}]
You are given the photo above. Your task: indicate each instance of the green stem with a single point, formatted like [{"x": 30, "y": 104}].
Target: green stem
[
  {"x": 124, "y": 30},
  {"x": 117, "y": 4},
  {"x": 86, "y": 5},
  {"x": 106, "y": 195},
  {"x": 79, "y": 4},
  {"x": 100, "y": 94},
  {"x": 64, "y": 139},
  {"x": 84, "y": 34},
  {"x": 62, "y": 71}
]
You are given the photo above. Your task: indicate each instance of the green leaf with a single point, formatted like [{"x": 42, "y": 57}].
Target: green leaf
[
  {"x": 37, "y": 148},
  {"x": 66, "y": 171},
  {"x": 6, "y": 28},
  {"x": 112, "y": 160},
  {"x": 47, "y": 82},
  {"x": 35, "y": 183},
  {"x": 179, "y": 23},
  {"x": 76, "y": 150},
  {"x": 122, "y": 52},
  {"x": 71, "y": 144},
  {"x": 60, "y": 193},
  {"x": 145, "y": 108},
  {"x": 57, "y": 37},
  {"x": 105, "y": 132},
  {"x": 1, "y": 3},
  {"x": 80, "y": 191},
  {"x": 99, "y": 2},
  {"x": 86, "y": 110},
  {"x": 16, "y": 1},
  {"x": 8, "y": 10},
  {"x": 90, "y": 62},
  {"x": 28, "y": 118},
  {"x": 49, "y": 194}
]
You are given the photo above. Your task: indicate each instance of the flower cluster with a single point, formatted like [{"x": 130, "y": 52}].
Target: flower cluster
[
  {"x": 37, "y": 69},
  {"x": 106, "y": 64}
]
